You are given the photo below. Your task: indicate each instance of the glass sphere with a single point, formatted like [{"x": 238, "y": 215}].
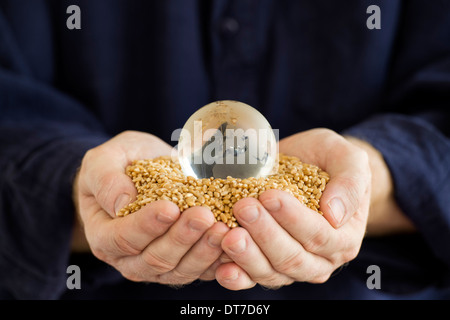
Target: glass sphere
[{"x": 227, "y": 138}]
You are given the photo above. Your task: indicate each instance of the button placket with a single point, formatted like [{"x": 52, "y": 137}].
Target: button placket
[{"x": 237, "y": 53}]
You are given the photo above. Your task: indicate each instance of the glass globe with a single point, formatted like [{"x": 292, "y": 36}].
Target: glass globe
[{"x": 227, "y": 138}]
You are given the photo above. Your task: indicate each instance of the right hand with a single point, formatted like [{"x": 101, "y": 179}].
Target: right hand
[{"x": 154, "y": 244}]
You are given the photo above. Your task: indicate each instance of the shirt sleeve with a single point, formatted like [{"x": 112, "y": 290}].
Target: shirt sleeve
[
  {"x": 415, "y": 139},
  {"x": 43, "y": 137},
  {"x": 418, "y": 156}
]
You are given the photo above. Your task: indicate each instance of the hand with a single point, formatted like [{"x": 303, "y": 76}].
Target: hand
[
  {"x": 283, "y": 241},
  {"x": 154, "y": 244}
]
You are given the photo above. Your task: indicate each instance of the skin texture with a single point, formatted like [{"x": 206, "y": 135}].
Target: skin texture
[{"x": 280, "y": 241}]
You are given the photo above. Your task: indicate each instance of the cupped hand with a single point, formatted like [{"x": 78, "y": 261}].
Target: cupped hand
[
  {"x": 154, "y": 244},
  {"x": 282, "y": 241}
]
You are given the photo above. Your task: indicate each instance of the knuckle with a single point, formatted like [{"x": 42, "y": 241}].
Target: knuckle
[
  {"x": 124, "y": 245},
  {"x": 181, "y": 277},
  {"x": 350, "y": 254},
  {"x": 264, "y": 277},
  {"x": 97, "y": 246},
  {"x": 132, "y": 275},
  {"x": 90, "y": 154},
  {"x": 156, "y": 263},
  {"x": 181, "y": 240},
  {"x": 363, "y": 156},
  {"x": 291, "y": 264},
  {"x": 320, "y": 279},
  {"x": 85, "y": 163},
  {"x": 129, "y": 133},
  {"x": 101, "y": 254},
  {"x": 324, "y": 133},
  {"x": 349, "y": 249},
  {"x": 207, "y": 277},
  {"x": 317, "y": 241},
  {"x": 269, "y": 280},
  {"x": 90, "y": 157},
  {"x": 273, "y": 286}
]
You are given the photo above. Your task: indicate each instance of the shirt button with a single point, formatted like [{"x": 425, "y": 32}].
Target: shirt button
[{"x": 229, "y": 26}]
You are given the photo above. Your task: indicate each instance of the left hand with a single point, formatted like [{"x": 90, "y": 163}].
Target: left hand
[{"x": 281, "y": 240}]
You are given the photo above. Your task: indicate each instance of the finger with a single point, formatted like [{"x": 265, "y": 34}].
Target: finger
[
  {"x": 210, "y": 273},
  {"x": 166, "y": 252},
  {"x": 108, "y": 185},
  {"x": 350, "y": 179},
  {"x": 224, "y": 258},
  {"x": 129, "y": 235},
  {"x": 199, "y": 258},
  {"x": 233, "y": 277},
  {"x": 286, "y": 255},
  {"x": 239, "y": 245},
  {"x": 138, "y": 230},
  {"x": 346, "y": 163},
  {"x": 314, "y": 233},
  {"x": 102, "y": 172},
  {"x": 306, "y": 226}
]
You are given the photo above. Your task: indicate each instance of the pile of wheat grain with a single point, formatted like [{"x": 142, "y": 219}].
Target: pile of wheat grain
[{"x": 162, "y": 179}]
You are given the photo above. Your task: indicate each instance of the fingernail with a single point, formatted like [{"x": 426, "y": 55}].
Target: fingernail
[
  {"x": 272, "y": 204},
  {"x": 224, "y": 258},
  {"x": 197, "y": 225},
  {"x": 164, "y": 218},
  {"x": 248, "y": 214},
  {"x": 121, "y": 202},
  {"x": 238, "y": 246},
  {"x": 215, "y": 240},
  {"x": 231, "y": 277},
  {"x": 337, "y": 209}
]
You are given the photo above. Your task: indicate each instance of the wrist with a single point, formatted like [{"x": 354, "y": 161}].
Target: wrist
[
  {"x": 79, "y": 242},
  {"x": 385, "y": 216}
]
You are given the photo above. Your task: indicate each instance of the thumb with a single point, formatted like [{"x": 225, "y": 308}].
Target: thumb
[
  {"x": 341, "y": 199},
  {"x": 350, "y": 178},
  {"x": 104, "y": 179},
  {"x": 102, "y": 174},
  {"x": 346, "y": 163}
]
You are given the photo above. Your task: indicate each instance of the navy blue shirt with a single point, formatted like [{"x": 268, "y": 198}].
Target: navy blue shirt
[{"x": 148, "y": 65}]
